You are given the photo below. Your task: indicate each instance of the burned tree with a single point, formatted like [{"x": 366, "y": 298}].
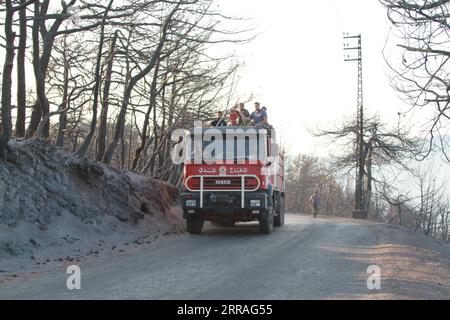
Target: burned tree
[
  {"x": 421, "y": 75},
  {"x": 21, "y": 73},
  {"x": 7, "y": 78},
  {"x": 87, "y": 142},
  {"x": 121, "y": 75},
  {"x": 384, "y": 147},
  {"x": 10, "y": 35}
]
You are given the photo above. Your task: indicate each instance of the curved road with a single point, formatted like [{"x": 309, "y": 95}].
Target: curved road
[{"x": 306, "y": 259}]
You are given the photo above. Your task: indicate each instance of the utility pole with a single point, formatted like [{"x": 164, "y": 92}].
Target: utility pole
[{"x": 360, "y": 210}]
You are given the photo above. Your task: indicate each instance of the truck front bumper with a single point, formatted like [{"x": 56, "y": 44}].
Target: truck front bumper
[{"x": 216, "y": 205}]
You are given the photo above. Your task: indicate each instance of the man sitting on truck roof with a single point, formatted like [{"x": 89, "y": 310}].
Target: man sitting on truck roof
[
  {"x": 219, "y": 121},
  {"x": 234, "y": 116},
  {"x": 244, "y": 116},
  {"x": 259, "y": 117}
]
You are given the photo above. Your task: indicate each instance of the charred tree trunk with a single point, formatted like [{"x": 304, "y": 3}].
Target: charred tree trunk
[
  {"x": 119, "y": 126},
  {"x": 103, "y": 126},
  {"x": 65, "y": 102},
  {"x": 87, "y": 142},
  {"x": 369, "y": 176},
  {"x": 7, "y": 79},
  {"x": 145, "y": 127},
  {"x": 21, "y": 74},
  {"x": 39, "y": 76},
  {"x": 118, "y": 133},
  {"x": 42, "y": 60},
  {"x": 151, "y": 165}
]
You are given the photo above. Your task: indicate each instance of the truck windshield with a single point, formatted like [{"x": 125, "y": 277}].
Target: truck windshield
[{"x": 239, "y": 148}]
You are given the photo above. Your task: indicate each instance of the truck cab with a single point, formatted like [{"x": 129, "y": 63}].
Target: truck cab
[{"x": 241, "y": 182}]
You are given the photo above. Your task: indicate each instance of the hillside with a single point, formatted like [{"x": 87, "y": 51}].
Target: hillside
[{"x": 52, "y": 203}]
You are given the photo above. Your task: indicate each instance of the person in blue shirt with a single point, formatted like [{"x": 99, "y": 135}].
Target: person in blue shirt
[{"x": 259, "y": 117}]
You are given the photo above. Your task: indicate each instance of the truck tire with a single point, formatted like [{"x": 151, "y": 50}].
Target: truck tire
[
  {"x": 280, "y": 205},
  {"x": 194, "y": 225},
  {"x": 266, "y": 224}
]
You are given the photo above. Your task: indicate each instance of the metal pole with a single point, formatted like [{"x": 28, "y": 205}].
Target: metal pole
[{"x": 359, "y": 152}]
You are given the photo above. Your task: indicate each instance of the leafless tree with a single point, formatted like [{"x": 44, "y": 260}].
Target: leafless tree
[
  {"x": 398, "y": 200},
  {"x": 103, "y": 126},
  {"x": 384, "y": 147},
  {"x": 147, "y": 65},
  {"x": 431, "y": 212},
  {"x": 421, "y": 68},
  {"x": 21, "y": 73},
  {"x": 419, "y": 201},
  {"x": 87, "y": 142},
  {"x": 10, "y": 9}
]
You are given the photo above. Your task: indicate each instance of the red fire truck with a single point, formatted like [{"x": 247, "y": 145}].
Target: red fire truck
[{"x": 241, "y": 184}]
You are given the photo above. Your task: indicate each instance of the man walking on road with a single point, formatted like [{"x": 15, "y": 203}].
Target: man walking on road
[{"x": 314, "y": 202}]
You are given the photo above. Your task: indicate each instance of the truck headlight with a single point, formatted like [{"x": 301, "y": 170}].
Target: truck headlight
[
  {"x": 191, "y": 203},
  {"x": 255, "y": 203}
]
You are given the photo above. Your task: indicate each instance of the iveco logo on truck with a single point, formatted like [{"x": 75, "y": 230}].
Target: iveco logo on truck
[{"x": 223, "y": 182}]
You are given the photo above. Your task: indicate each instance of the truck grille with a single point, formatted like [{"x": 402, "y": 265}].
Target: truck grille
[{"x": 223, "y": 183}]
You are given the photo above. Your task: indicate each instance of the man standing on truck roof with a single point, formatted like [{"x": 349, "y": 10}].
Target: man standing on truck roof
[
  {"x": 219, "y": 121},
  {"x": 314, "y": 202},
  {"x": 244, "y": 116},
  {"x": 259, "y": 117}
]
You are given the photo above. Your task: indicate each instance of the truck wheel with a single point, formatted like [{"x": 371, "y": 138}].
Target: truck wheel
[
  {"x": 266, "y": 224},
  {"x": 279, "y": 218},
  {"x": 194, "y": 225}
]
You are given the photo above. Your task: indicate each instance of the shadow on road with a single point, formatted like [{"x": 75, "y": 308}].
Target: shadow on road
[{"x": 408, "y": 271}]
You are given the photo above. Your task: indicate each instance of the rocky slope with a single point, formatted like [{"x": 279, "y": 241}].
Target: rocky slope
[{"x": 52, "y": 200}]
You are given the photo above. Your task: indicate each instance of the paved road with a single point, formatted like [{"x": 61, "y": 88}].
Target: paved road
[{"x": 306, "y": 259}]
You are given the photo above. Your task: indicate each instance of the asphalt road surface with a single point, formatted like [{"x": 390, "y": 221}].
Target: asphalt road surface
[{"x": 322, "y": 258}]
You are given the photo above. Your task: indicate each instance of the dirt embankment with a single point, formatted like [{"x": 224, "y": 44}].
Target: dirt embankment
[{"x": 52, "y": 200}]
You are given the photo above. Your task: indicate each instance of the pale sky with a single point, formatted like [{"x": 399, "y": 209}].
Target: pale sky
[{"x": 295, "y": 67}]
